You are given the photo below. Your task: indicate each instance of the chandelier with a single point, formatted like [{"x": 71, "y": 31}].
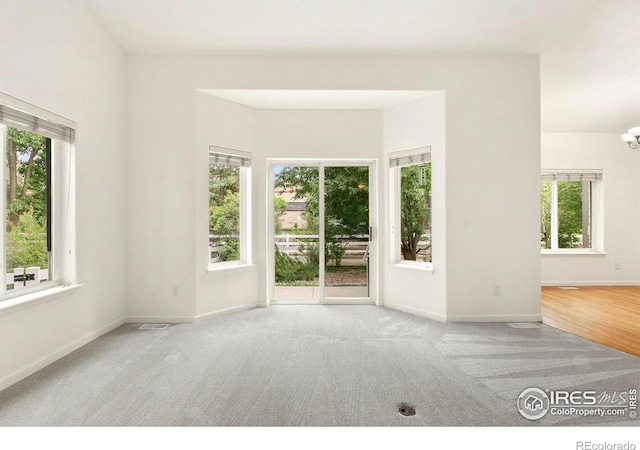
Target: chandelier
[{"x": 632, "y": 137}]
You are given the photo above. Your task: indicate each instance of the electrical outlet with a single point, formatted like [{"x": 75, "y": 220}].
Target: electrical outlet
[
  {"x": 497, "y": 290},
  {"x": 175, "y": 291}
]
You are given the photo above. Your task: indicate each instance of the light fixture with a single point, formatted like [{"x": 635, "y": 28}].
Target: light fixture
[{"x": 632, "y": 137}]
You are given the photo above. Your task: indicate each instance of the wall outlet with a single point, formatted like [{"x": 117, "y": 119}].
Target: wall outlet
[
  {"x": 616, "y": 266},
  {"x": 497, "y": 290},
  {"x": 175, "y": 291}
]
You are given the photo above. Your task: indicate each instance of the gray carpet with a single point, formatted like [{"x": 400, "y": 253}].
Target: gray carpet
[{"x": 316, "y": 366}]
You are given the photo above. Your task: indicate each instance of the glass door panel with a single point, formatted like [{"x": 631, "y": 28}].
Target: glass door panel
[
  {"x": 346, "y": 232},
  {"x": 296, "y": 233}
]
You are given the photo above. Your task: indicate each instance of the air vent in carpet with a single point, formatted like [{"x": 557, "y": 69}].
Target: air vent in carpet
[
  {"x": 154, "y": 326},
  {"x": 406, "y": 410}
]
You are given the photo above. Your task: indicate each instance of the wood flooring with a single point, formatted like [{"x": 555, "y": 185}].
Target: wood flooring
[{"x": 609, "y": 315}]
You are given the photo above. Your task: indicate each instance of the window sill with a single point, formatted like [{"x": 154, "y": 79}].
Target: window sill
[
  {"x": 572, "y": 253},
  {"x": 35, "y": 298},
  {"x": 225, "y": 267},
  {"x": 419, "y": 267}
]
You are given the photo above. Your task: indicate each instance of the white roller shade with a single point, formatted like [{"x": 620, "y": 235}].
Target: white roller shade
[
  {"x": 22, "y": 120},
  {"x": 418, "y": 155},
  {"x": 229, "y": 156},
  {"x": 587, "y": 175}
]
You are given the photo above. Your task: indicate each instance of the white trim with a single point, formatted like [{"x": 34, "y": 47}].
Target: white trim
[
  {"x": 571, "y": 252},
  {"x": 348, "y": 301},
  {"x": 35, "y": 298},
  {"x": 496, "y": 318},
  {"x": 52, "y": 357},
  {"x": 416, "y": 311},
  {"x": 589, "y": 283},
  {"x": 222, "y": 312},
  {"x": 160, "y": 319},
  {"x": 413, "y": 265},
  {"x": 233, "y": 265}
]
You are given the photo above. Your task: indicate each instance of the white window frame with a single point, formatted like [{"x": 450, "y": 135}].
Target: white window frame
[
  {"x": 241, "y": 159},
  {"x": 397, "y": 160},
  {"x": 15, "y": 113},
  {"x": 597, "y": 226}
]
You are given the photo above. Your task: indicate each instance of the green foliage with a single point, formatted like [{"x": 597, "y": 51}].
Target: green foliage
[
  {"x": 27, "y": 243},
  {"x": 279, "y": 206},
  {"x": 224, "y": 210},
  {"x": 569, "y": 214},
  {"x": 26, "y": 225},
  {"x": 291, "y": 270},
  {"x": 26, "y": 177},
  {"x": 545, "y": 214},
  {"x": 415, "y": 209},
  {"x": 346, "y": 202}
]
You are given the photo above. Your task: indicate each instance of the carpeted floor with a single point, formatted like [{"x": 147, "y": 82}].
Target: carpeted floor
[{"x": 316, "y": 366}]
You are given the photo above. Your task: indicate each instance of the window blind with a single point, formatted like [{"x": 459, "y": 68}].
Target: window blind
[
  {"x": 25, "y": 121},
  {"x": 228, "y": 156},
  {"x": 587, "y": 175},
  {"x": 418, "y": 155}
]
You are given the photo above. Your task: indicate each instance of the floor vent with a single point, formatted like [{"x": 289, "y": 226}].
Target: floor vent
[
  {"x": 154, "y": 326},
  {"x": 524, "y": 325},
  {"x": 568, "y": 288},
  {"x": 406, "y": 410}
]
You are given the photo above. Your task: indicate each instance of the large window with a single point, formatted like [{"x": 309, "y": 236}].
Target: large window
[
  {"x": 35, "y": 198},
  {"x": 229, "y": 193},
  {"x": 411, "y": 205},
  {"x": 569, "y": 211}
]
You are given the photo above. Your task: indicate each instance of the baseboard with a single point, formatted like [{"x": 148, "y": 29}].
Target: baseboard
[
  {"x": 160, "y": 319},
  {"x": 590, "y": 283},
  {"x": 496, "y": 318},
  {"x": 416, "y": 311},
  {"x": 23, "y": 373},
  {"x": 230, "y": 310}
]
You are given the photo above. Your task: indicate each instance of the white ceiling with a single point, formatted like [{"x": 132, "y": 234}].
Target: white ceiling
[{"x": 590, "y": 49}]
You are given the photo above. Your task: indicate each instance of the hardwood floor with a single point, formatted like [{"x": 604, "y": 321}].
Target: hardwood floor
[{"x": 609, "y": 315}]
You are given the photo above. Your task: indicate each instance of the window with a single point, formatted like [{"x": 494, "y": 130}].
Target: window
[
  {"x": 36, "y": 198},
  {"x": 569, "y": 211},
  {"x": 411, "y": 205},
  {"x": 229, "y": 194}
]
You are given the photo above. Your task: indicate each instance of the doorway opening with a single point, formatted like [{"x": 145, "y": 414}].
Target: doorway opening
[{"x": 322, "y": 221}]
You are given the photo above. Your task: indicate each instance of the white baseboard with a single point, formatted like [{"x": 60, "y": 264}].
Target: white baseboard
[
  {"x": 228, "y": 311},
  {"x": 590, "y": 283},
  {"x": 416, "y": 311},
  {"x": 496, "y": 318},
  {"x": 160, "y": 319},
  {"x": 32, "y": 368}
]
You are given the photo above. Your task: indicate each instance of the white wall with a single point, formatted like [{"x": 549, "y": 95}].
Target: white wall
[
  {"x": 416, "y": 124},
  {"x": 319, "y": 134},
  {"x": 227, "y": 124},
  {"x": 621, "y": 167},
  {"x": 492, "y": 167},
  {"x": 54, "y": 55}
]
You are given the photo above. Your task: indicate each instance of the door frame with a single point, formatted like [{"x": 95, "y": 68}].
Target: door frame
[{"x": 373, "y": 222}]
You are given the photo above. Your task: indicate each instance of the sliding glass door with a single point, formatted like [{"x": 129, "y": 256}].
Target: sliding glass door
[
  {"x": 346, "y": 232},
  {"x": 321, "y": 232}
]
